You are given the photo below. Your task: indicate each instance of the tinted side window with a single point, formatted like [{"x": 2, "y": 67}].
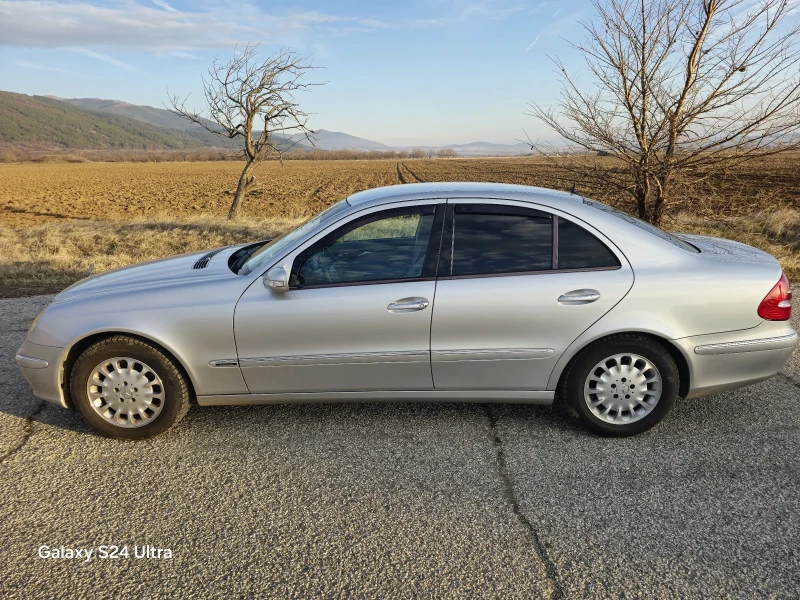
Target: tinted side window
[
  {"x": 491, "y": 239},
  {"x": 579, "y": 249},
  {"x": 389, "y": 245}
]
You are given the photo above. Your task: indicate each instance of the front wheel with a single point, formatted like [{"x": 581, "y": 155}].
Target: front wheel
[
  {"x": 622, "y": 385},
  {"x": 127, "y": 388}
]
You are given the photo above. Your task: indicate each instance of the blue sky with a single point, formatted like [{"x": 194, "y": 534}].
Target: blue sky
[{"x": 412, "y": 72}]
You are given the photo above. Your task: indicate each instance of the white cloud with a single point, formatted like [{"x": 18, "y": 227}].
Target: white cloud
[
  {"x": 159, "y": 27},
  {"x": 106, "y": 59},
  {"x": 533, "y": 43},
  {"x": 29, "y": 64},
  {"x": 487, "y": 9},
  {"x": 125, "y": 26},
  {"x": 164, "y": 5}
]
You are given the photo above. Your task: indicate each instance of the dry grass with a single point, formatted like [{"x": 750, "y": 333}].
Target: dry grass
[
  {"x": 51, "y": 256},
  {"x": 776, "y": 232},
  {"x": 57, "y": 219}
]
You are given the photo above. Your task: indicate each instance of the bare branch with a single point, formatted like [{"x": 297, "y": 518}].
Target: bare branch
[
  {"x": 254, "y": 99},
  {"x": 679, "y": 89}
]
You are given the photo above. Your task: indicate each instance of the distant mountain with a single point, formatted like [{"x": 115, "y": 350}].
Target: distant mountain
[
  {"x": 94, "y": 123},
  {"x": 146, "y": 114},
  {"x": 39, "y": 120},
  {"x": 336, "y": 140},
  {"x": 161, "y": 117}
]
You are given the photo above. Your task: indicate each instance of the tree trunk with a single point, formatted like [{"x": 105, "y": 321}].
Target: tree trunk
[
  {"x": 641, "y": 193},
  {"x": 658, "y": 209},
  {"x": 660, "y": 202},
  {"x": 246, "y": 181}
]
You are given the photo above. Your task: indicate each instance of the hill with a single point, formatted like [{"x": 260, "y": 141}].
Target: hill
[
  {"x": 337, "y": 140},
  {"x": 161, "y": 118},
  {"x": 42, "y": 121},
  {"x": 158, "y": 117}
]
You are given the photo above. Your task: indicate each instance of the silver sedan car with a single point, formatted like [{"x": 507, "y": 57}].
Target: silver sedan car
[{"x": 442, "y": 292}]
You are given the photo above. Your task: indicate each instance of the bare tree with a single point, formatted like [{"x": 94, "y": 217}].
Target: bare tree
[
  {"x": 447, "y": 153},
  {"x": 680, "y": 90},
  {"x": 417, "y": 153},
  {"x": 246, "y": 93}
]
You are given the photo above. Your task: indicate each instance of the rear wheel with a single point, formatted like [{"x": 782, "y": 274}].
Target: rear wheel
[
  {"x": 127, "y": 388},
  {"x": 621, "y": 385}
]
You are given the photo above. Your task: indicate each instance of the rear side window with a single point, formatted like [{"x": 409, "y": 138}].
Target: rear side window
[
  {"x": 642, "y": 225},
  {"x": 489, "y": 239},
  {"x": 579, "y": 249}
]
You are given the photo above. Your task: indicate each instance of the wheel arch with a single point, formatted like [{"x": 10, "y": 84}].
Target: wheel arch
[
  {"x": 78, "y": 346},
  {"x": 682, "y": 362}
]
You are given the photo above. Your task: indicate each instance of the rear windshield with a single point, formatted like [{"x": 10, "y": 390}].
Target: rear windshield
[{"x": 642, "y": 225}]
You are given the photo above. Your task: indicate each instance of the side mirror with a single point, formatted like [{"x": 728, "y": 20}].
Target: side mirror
[{"x": 276, "y": 280}]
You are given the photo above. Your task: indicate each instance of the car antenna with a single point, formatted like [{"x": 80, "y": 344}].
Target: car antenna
[{"x": 572, "y": 191}]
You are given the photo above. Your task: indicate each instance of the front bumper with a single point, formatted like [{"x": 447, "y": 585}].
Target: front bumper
[
  {"x": 735, "y": 359},
  {"x": 41, "y": 366}
]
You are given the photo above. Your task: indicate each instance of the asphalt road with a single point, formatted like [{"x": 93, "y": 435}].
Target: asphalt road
[{"x": 425, "y": 501}]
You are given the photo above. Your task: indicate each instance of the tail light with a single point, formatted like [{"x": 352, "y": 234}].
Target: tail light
[{"x": 777, "y": 305}]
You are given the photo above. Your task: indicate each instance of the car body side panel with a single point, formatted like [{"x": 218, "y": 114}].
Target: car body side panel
[
  {"x": 733, "y": 359},
  {"x": 694, "y": 298},
  {"x": 196, "y": 326}
]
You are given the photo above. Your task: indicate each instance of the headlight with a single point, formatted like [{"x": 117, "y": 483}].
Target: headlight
[{"x": 36, "y": 320}]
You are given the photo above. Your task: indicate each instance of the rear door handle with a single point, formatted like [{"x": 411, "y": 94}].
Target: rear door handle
[
  {"x": 579, "y": 297},
  {"x": 408, "y": 305}
]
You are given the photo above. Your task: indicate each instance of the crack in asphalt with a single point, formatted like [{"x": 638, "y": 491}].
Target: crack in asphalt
[
  {"x": 27, "y": 432},
  {"x": 790, "y": 380},
  {"x": 511, "y": 497}
]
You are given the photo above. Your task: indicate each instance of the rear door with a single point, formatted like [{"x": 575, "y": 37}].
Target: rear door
[{"x": 516, "y": 286}]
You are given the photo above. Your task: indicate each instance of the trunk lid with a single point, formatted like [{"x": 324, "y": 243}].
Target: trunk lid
[{"x": 722, "y": 249}]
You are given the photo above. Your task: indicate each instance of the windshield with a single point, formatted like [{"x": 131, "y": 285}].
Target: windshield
[
  {"x": 283, "y": 244},
  {"x": 642, "y": 225}
]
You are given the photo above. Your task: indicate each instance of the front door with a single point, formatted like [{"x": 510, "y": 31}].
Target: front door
[
  {"x": 357, "y": 315},
  {"x": 516, "y": 287}
]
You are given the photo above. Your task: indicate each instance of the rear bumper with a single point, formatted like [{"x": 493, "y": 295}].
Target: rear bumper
[
  {"x": 41, "y": 367},
  {"x": 731, "y": 360}
]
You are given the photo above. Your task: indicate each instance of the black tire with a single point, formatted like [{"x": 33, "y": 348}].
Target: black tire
[
  {"x": 177, "y": 393},
  {"x": 571, "y": 386}
]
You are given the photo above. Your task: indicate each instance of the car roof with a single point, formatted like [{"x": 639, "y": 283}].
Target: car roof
[{"x": 419, "y": 191}]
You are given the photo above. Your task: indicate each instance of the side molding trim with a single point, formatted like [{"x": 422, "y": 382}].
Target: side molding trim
[{"x": 773, "y": 343}]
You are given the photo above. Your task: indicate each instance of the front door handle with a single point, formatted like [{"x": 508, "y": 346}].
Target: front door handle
[
  {"x": 408, "y": 305},
  {"x": 579, "y": 297}
]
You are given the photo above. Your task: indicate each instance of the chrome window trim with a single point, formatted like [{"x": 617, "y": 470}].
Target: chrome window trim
[
  {"x": 521, "y": 273},
  {"x": 771, "y": 343},
  {"x": 322, "y": 286}
]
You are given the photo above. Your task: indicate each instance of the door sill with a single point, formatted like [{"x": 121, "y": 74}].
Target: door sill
[{"x": 491, "y": 396}]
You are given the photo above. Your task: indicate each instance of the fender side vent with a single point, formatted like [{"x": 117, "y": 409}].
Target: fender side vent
[{"x": 202, "y": 262}]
